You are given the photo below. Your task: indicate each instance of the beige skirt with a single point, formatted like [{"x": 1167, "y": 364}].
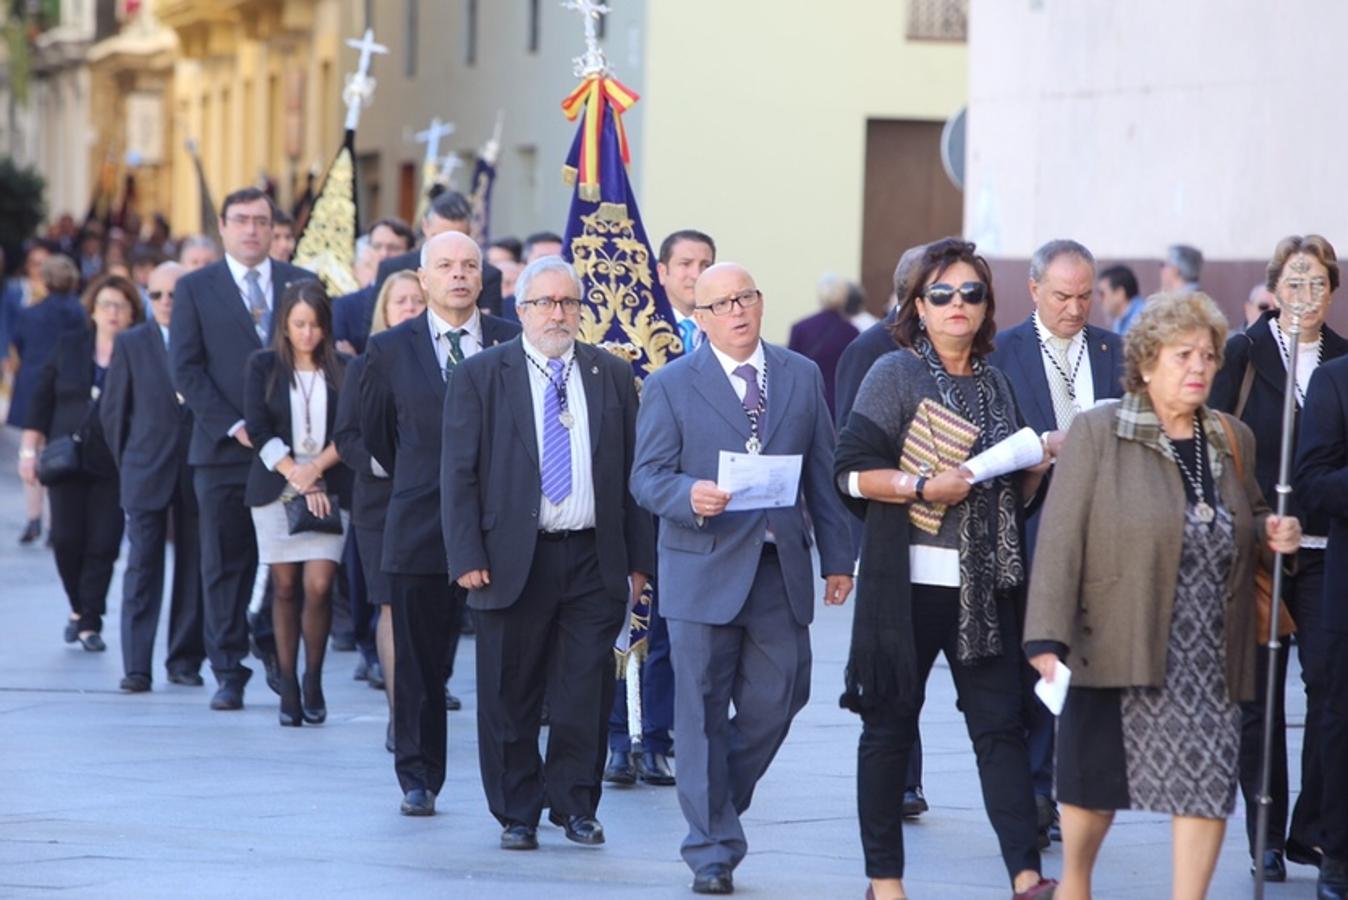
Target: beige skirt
[{"x": 275, "y": 543}]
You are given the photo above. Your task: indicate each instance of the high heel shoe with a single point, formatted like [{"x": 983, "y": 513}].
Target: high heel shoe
[
  {"x": 31, "y": 532},
  {"x": 315, "y": 708},
  {"x": 290, "y": 713}
]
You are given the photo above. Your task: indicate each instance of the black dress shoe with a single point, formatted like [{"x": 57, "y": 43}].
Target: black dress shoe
[
  {"x": 452, "y": 703},
  {"x": 389, "y": 744},
  {"x": 579, "y": 829},
  {"x": 914, "y": 802},
  {"x": 31, "y": 532},
  {"x": 714, "y": 879},
  {"x": 186, "y": 679},
  {"x": 1333, "y": 881},
  {"x": 135, "y": 683},
  {"x": 315, "y": 706},
  {"x": 93, "y": 642},
  {"x": 72, "y": 631},
  {"x": 1299, "y": 852},
  {"x": 291, "y": 712},
  {"x": 519, "y": 837},
  {"x": 374, "y": 675},
  {"x": 653, "y": 768},
  {"x": 621, "y": 768},
  {"x": 343, "y": 643},
  {"x": 362, "y": 671},
  {"x": 418, "y": 802},
  {"x": 1274, "y": 867},
  {"x": 228, "y": 697}
]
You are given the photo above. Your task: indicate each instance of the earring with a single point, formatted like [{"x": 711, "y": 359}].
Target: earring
[
  {"x": 1146, "y": 379},
  {"x": 921, "y": 324}
]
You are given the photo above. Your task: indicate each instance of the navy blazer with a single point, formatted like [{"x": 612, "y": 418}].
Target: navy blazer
[
  {"x": 489, "y": 299},
  {"x": 146, "y": 423},
  {"x": 369, "y": 493},
  {"x": 402, "y": 400},
  {"x": 1257, "y": 347},
  {"x": 210, "y": 340},
  {"x": 689, "y": 413},
  {"x": 351, "y": 317},
  {"x": 268, "y": 416},
  {"x": 1019, "y": 356},
  {"x": 1322, "y": 479},
  {"x": 490, "y": 472},
  {"x": 34, "y": 332},
  {"x": 823, "y": 337},
  {"x": 856, "y": 360},
  {"x": 64, "y": 401}
]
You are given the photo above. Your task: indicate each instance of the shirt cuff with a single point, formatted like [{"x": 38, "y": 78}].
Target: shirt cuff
[
  {"x": 272, "y": 453},
  {"x": 234, "y": 429},
  {"x": 376, "y": 469},
  {"x": 1034, "y": 648},
  {"x": 854, "y": 485}
]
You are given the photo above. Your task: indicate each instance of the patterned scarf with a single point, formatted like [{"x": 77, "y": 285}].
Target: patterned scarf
[{"x": 990, "y": 552}]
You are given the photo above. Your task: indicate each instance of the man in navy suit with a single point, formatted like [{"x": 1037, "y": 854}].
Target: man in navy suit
[
  {"x": 1322, "y": 487},
  {"x": 737, "y": 587},
  {"x": 449, "y": 211},
  {"x": 351, "y": 313},
  {"x": 222, "y": 313},
  {"x": 1058, "y": 365},
  {"x": 148, "y": 428},
  {"x": 402, "y": 396}
]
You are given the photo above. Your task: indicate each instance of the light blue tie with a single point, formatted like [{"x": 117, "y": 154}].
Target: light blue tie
[
  {"x": 689, "y": 329},
  {"x": 257, "y": 305},
  {"x": 556, "y": 466}
]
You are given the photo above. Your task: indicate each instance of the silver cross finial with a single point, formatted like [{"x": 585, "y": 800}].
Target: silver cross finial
[
  {"x": 359, "y": 87},
  {"x": 436, "y": 130},
  {"x": 593, "y": 62}
]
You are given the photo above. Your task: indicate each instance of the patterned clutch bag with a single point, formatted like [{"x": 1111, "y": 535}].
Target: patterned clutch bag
[{"x": 938, "y": 439}]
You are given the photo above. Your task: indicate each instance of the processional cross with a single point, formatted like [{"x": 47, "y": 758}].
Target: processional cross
[
  {"x": 359, "y": 87},
  {"x": 593, "y": 62}
]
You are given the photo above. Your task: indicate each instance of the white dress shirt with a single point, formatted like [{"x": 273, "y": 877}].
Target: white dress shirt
[
  {"x": 576, "y": 511},
  {"x": 1084, "y": 383},
  {"x": 470, "y": 343},
  {"x": 277, "y": 449},
  {"x": 739, "y": 384}
]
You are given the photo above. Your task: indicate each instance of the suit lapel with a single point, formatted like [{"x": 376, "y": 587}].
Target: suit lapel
[
  {"x": 711, "y": 382},
  {"x": 1102, "y": 365},
  {"x": 781, "y": 384},
  {"x": 1025, "y": 351},
  {"x": 234, "y": 304},
  {"x": 595, "y": 389},
  {"x": 421, "y": 349},
  {"x": 494, "y": 332},
  {"x": 515, "y": 378}
]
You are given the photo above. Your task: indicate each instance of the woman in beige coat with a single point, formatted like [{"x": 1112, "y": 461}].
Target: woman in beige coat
[{"x": 1143, "y": 586}]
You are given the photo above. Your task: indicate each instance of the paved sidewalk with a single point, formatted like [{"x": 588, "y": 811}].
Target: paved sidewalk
[{"x": 107, "y": 795}]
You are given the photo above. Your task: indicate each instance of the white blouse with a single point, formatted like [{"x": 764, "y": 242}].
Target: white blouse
[{"x": 304, "y": 445}]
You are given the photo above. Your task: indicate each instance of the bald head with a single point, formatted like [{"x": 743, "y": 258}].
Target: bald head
[
  {"x": 729, "y": 309},
  {"x": 713, "y": 282},
  {"x": 445, "y": 239},
  {"x": 451, "y": 275},
  {"x": 160, "y": 288}
]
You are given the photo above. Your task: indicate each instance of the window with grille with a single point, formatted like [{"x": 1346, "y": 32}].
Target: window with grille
[{"x": 938, "y": 20}]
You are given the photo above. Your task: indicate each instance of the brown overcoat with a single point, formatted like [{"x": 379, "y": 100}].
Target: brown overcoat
[{"x": 1107, "y": 561}]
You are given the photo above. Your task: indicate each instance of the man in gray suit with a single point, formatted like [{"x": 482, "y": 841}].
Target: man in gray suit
[{"x": 736, "y": 586}]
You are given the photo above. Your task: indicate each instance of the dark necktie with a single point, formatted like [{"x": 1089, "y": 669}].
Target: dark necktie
[{"x": 455, "y": 354}]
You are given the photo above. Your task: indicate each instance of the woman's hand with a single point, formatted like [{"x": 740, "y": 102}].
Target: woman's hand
[
  {"x": 950, "y": 487},
  {"x": 318, "y": 504},
  {"x": 303, "y": 477},
  {"x": 1284, "y": 534},
  {"x": 1046, "y": 664}
]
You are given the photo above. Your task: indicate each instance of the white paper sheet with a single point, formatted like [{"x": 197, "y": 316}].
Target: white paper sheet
[
  {"x": 1020, "y": 451},
  {"x": 757, "y": 481},
  {"x": 1054, "y": 694}
]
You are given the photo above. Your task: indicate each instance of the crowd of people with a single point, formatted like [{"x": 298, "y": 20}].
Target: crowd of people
[{"x": 443, "y": 447}]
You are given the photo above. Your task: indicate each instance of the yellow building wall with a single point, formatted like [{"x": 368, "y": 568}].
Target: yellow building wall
[{"x": 755, "y": 129}]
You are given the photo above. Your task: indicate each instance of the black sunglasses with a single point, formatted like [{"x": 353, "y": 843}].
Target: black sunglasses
[
  {"x": 155, "y": 295},
  {"x": 971, "y": 292}
]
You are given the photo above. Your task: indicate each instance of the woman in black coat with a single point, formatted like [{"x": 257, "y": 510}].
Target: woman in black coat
[
  {"x": 86, "y": 513},
  {"x": 290, "y": 409}
]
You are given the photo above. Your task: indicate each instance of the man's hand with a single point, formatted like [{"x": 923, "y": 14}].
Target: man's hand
[
  {"x": 346, "y": 347},
  {"x": 242, "y": 437},
  {"x": 1284, "y": 534},
  {"x": 836, "y": 589},
  {"x": 475, "y": 580},
  {"x": 1054, "y": 440},
  {"x": 707, "y": 499},
  {"x": 639, "y": 582},
  {"x": 1046, "y": 664}
]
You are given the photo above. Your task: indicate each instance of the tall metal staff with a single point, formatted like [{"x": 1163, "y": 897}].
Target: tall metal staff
[{"x": 1301, "y": 294}]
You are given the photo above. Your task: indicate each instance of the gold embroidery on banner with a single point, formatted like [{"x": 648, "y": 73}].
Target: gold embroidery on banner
[
  {"x": 616, "y": 268},
  {"x": 328, "y": 245}
]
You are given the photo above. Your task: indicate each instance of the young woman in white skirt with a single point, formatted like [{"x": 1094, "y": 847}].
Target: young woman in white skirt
[{"x": 290, "y": 404}]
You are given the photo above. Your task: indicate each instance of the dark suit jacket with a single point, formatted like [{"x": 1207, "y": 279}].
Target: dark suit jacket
[
  {"x": 1256, "y": 346},
  {"x": 351, "y": 315},
  {"x": 1322, "y": 478},
  {"x": 490, "y": 298},
  {"x": 369, "y": 493},
  {"x": 147, "y": 427},
  {"x": 402, "y": 399},
  {"x": 823, "y": 337},
  {"x": 62, "y": 400},
  {"x": 210, "y": 340},
  {"x": 490, "y": 471},
  {"x": 33, "y": 333},
  {"x": 1019, "y": 356},
  {"x": 856, "y": 360},
  {"x": 269, "y": 417}
]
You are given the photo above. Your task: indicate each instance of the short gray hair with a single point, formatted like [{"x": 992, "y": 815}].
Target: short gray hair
[
  {"x": 1188, "y": 261},
  {"x": 199, "y": 241},
  {"x": 1045, "y": 255},
  {"x": 541, "y": 266}
]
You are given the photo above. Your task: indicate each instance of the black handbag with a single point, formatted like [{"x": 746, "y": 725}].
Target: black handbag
[
  {"x": 61, "y": 461},
  {"x": 301, "y": 519}
]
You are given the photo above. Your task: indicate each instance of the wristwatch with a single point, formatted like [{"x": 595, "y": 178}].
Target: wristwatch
[{"x": 918, "y": 486}]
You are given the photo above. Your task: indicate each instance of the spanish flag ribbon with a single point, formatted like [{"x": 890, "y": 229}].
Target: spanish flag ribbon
[{"x": 589, "y": 97}]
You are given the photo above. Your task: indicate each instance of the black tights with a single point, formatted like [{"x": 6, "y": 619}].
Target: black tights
[{"x": 310, "y": 613}]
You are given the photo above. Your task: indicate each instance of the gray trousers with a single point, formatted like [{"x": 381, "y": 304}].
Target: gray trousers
[{"x": 761, "y": 662}]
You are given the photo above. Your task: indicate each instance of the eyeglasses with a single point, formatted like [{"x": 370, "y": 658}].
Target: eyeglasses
[
  {"x": 161, "y": 295},
  {"x": 570, "y": 305},
  {"x": 744, "y": 299},
  {"x": 119, "y": 305},
  {"x": 971, "y": 292},
  {"x": 244, "y": 221}
]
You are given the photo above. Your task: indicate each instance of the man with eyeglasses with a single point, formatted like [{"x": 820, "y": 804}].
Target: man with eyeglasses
[
  {"x": 402, "y": 398},
  {"x": 148, "y": 428},
  {"x": 541, "y": 529},
  {"x": 222, "y": 314},
  {"x": 737, "y": 586},
  {"x": 1058, "y": 366}
]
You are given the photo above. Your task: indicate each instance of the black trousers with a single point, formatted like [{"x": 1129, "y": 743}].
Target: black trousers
[
  {"x": 425, "y": 619},
  {"x": 228, "y": 566},
  {"x": 1304, "y": 593},
  {"x": 990, "y": 698},
  {"x": 362, "y": 613},
  {"x": 143, "y": 586},
  {"x": 558, "y": 635},
  {"x": 1334, "y": 748},
  {"x": 86, "y": 536}
]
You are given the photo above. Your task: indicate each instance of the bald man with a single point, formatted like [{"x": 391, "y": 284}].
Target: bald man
[
  {"x": 148, "y": 429},
  {"x": 402, "y": 395},
  {"x": 737, "y": 586}
]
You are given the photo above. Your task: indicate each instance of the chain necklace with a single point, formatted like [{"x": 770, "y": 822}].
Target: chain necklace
[
  {"x": 308, "y": 445},
  {"x": 1070, "y": 378},
  {"x": 755, "y": 444},
  {"x": 1202, "y": 508},
  {"x": 1293, "y": 366},
  {"x": 559, "y": 387}
]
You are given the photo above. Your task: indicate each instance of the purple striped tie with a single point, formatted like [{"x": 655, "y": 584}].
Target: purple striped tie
[{"x": 556, "y": 463}]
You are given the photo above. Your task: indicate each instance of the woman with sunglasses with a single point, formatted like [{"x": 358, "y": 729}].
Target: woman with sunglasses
[{"x": 954, "y": 591}]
